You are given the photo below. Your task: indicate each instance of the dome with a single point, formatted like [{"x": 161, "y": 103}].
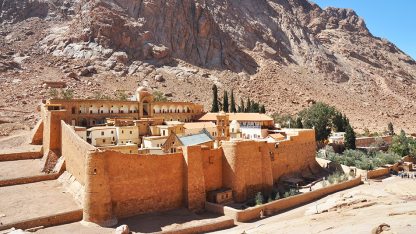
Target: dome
[
  {"x": 235, "y": 126},
  {"x": 142, "y": 89},
  {"x": 234, "y": 123}
]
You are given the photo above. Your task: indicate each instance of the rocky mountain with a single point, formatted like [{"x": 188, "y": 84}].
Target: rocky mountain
[{"x": 284, "y": 53}]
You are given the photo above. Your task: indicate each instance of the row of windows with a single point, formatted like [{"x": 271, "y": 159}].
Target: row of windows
[{"x": 112, "y": 132}]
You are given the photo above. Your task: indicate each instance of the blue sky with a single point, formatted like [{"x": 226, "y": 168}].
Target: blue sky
[{"x": 394, "y": 20}]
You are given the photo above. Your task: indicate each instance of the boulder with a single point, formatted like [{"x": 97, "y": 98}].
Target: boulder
[
  {"x": 159, "y": 78},
  {"x": 382, "y": 228},
  {"x": 123, "y": 229},
  {"x": 120, "y": 57}
]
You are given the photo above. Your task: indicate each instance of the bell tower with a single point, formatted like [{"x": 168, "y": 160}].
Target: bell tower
[
  {"x": 145, "y": 100},
  {"x": 223, "y": 127}
]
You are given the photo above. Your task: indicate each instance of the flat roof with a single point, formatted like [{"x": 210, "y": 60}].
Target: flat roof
[
  {"x": 198, "y": 125},
  {"x": 154, "y": 137},
  {"x": 101, "y": 128},
  {"x": 238, "y": 117}
]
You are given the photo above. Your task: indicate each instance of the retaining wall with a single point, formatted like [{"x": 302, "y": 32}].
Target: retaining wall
[
  {"x": 20, "y": 155},
  {"x": 379, "y": 172},
  {"x": 26, "y": 180},
  {"x": 281, "y": 204},
  {"x": 46, "y": 221}
]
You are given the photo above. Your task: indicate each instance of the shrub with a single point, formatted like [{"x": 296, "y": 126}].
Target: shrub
[
  {"x": 259, "y": 198},
  {"x": 277, "y": 197},
  {"x": 67, "y": 94},
  {"x": 53, "y": 94}
]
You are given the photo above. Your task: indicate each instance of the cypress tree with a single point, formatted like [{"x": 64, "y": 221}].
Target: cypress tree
[
  {"x": 349, "y": 138},
  {"x": 248, "y": 106},
  {"x": 215, "y": 99},
  {"x": 298, "y": 123},
  {"x": 338, "y": 122},
  {"x": 263, "y": 109},
  {"x": 225, "y": 104},
  {"x": 241, "y": 108},
  {"x": 391, "y": 129},
  {"x": 255, "y": 108},
  {"x": 232, "y": 108}
]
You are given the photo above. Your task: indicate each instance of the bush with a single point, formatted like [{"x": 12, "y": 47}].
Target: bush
[
  {"x": 67, "y": 94},
  {"x": 53, "y": 94},
  {"x": 259, "y": 198},
  {"x": 359, "y": 159},
  {"x": 277, "y": 197}
]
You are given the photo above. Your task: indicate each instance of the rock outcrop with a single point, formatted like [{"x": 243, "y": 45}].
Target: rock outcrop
[{"x": 286, "y": 54}]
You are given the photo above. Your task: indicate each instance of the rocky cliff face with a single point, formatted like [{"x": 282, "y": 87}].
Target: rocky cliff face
[{"x": 284, "y": 53}]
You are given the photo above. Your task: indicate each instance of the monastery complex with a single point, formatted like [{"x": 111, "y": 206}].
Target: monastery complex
[{"x": 123, "y": 158}]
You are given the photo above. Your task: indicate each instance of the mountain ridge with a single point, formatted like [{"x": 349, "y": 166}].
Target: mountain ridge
[{"x": 283, "y": 53}]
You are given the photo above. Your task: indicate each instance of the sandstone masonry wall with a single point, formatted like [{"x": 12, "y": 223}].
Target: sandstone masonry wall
[
  {"x": 295, "y": 155},
  {"x": 144, "y": 183},
  {"x": 212, "y": 165},
  {"x": 75, "y": 150}
]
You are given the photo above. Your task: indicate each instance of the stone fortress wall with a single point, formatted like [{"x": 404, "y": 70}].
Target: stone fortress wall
[{"x": 120, "y": 185}]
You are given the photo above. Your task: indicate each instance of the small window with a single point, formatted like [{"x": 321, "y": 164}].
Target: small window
[
  {"x": 131, "y": 132},
  {"x": 122, "y": 131},
  {"x": 102, "y": 133},
  {"x": 112, "y": 132},
  {"x": 103, "y": 140}
]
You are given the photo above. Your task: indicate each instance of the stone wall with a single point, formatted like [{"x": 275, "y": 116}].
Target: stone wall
[
  {"x": 281, "y": 204},
  {"x": 37, "y": 134},
  {"x": 295, "y": 155},
  {"x": 246, "y": 168},
  {"x": 212, "y": 164},
  {"x": 144, "y": 183},
  {"x": 74, "y": 150},
  {"x": 367, "y": 141},
  {"x": 379, "y": 172}
]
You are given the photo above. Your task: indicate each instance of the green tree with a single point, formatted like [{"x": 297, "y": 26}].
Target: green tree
[
  {"x": 53, "y": 93},
  {"x": 232, "y": 107},
  {"x": 158, "y": 96},
  {"x": 215, "y": 107},
  {"x": 122, "y": 96},
  {"x": 255, "y": 107},
  {"x": 225, "y": 104},
  {"x": 318, "y": 116},
  {"x": 67, "y": 94},
  {"x": 298, "y": 123},
  {"x": 263, "y": 109},
  {"x": 402, "y": 145},
  {"x": 391, "y": 129},
  {"x": 338, "y": 122},
  {"x": 349, "y": 138},
  {"x": 248, "y": 106},
  {"x": 241, "y": 107},
  {"x": 282, "y": 120}
]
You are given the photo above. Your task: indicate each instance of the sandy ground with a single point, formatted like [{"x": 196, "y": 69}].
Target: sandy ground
[
  {"x": 356, "y": 210},
  {"x": 149, "y": 223},
  {"x": 17, "y": 139},
  {"x": 21, "y": 202},
  {"x": 20, "y": 168}
]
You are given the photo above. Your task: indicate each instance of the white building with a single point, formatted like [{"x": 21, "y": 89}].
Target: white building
[
  {"x": 127, "y": 135},
  {"x": 102, "y": 136},
  {"x": 252, "y": 125}
]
